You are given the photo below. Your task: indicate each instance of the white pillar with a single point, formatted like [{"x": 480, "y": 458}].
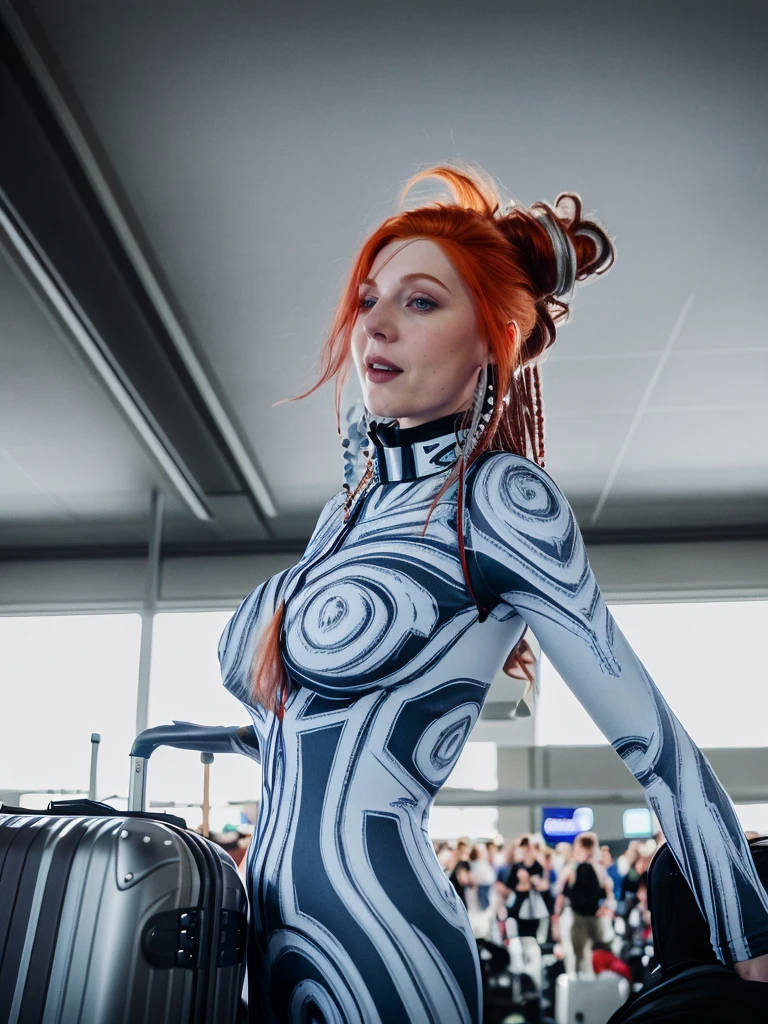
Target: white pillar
[{"x": 151, "y": 595}]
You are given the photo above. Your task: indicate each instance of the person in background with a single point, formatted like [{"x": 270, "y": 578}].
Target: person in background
[
  {"x": 481, "y": 899},
  {"x": 444, "y": 854},
  {"x": 589, "y": 892},
  {"x": 482, "y": 873},
  {"x": 526, "y": 889},
  {"x": 505, "y": 859},
  {"x": 496, "y": 852},
  {"x": 550, "y": 872},
  {"x": 636, "y": 876},
  {"x": 639, "y": 918},
  {"x": 460, "y": 876},
  {"x": 626, "y": 862},
  {"x": 562, "y": 856},
  {"x": 611, "y": 869}
]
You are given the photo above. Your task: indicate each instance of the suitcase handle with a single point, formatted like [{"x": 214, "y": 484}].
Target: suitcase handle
[
  {"x": 207, "y": 739},
  {"x": 216, "y": 739}
]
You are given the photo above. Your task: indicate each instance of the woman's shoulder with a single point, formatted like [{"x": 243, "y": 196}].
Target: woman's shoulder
[
  {"x": 508, "y": 492},
  {"x": 507, "y": 476},
  {"x": 328, "y": 520}
]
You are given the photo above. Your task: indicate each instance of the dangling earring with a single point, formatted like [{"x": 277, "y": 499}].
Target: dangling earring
[
  {"x": 482, "y": 408},
  {"x": 354, "y": 443},
  {"x": 357, "y": 446}
]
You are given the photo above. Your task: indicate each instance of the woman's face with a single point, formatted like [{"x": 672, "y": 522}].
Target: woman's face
[{"x": 417, "y": 316}]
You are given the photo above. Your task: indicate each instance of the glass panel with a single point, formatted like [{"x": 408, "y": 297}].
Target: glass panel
[
  {"x": 707, "y": 660},
  {"x": 753, "y": 817},
  {"x": 477, "y": 768},
  {"x": 454, "y": 822},
  {"x": 64, "y": 677},
  {"x": 186, "y": 686}
]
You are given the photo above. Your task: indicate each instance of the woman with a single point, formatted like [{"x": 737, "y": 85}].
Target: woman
[
  {"x": 526, "y": 890},
  {"x": 365, "y": 666}
]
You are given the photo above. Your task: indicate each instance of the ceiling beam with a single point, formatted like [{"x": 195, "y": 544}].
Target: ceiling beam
[
  {"x": 71, "y": 228},
  {"x": 296, "y": 545}
]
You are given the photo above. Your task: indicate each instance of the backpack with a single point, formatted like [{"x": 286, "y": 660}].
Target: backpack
[{"x": 585, "y": 892}]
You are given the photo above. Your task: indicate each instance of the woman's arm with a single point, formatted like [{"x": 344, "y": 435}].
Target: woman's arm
[
  {"x": 753, "y": 970},
  {"x": 527, "y": 548}
]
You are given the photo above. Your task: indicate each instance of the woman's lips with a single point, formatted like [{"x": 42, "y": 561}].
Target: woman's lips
[
  {"x": 381, "y": 376},
  {"x": 380, "y": 370}
]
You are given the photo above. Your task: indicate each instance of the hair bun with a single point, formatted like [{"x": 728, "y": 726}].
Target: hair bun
[
  {"x": 560, "y": 247},
  {"x": 568, "y": 207}
]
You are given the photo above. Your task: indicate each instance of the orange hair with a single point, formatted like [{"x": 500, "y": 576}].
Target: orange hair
[{"x": 508, "y": 262}]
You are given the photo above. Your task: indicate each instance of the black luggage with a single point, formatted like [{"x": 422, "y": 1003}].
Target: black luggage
[
  {"x": 120, "y": 918},
  {"x": 505, "y": 992},
  {"x": 690, "y": 985}
]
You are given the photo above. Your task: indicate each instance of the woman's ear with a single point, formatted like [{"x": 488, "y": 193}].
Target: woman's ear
[{"x": 513, "y": 330}]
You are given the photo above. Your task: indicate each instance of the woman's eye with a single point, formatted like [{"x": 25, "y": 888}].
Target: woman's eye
[
  {"x": 420, "y": 302},
  {"x": 427, "y": 304}
]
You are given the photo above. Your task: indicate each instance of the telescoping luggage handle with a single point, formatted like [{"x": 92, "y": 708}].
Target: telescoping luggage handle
[{"x": 216, "y": 739}]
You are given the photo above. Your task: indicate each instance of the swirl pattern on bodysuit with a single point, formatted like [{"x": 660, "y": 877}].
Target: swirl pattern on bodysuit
[
  {"x": 529, "y": 553},
  {"x": 352, "y": 918}
]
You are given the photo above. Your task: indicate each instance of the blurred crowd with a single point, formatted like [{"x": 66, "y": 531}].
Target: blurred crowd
[{"x": 574, "y": 899}]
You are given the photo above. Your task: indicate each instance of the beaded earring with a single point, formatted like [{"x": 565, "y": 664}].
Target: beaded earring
[
  {"x": 356, "y": 444},
  {"x": 482, "y": 408}
]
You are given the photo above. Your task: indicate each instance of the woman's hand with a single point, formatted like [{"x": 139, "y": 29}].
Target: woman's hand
[{"x": 753, "y": 970}]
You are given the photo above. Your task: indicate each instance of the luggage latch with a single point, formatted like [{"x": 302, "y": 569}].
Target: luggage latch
[
  {"x": 233, "y": 928},
  {"x": 170, "y": 939}
]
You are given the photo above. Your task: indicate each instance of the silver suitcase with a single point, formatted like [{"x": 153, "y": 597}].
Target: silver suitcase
[
  {"x": 110, "y": 918},
  {"x": 589, "y": 1000}
]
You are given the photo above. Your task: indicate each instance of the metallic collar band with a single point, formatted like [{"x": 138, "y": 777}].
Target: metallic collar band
[{"x": 416, "y": 451}]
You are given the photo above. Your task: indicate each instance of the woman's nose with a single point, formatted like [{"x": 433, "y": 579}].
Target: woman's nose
[{"x": 379, "y": 325}]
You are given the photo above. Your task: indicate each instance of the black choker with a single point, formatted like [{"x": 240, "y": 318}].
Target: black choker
[{"x": 415, "y": 452}]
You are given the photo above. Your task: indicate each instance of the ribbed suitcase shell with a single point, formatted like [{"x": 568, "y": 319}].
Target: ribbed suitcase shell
[{"x": 97, "y": 914}]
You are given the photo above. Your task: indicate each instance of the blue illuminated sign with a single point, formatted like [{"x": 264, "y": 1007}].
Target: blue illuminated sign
[{"x": 563, "y": 824}]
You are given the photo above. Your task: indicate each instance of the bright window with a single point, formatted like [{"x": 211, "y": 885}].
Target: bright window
[
  {"x": 753, "y": 817},
  {"x": 477, "y": 768},
  {"x": 63, "y": 678},
  {"x": 185, "y": 685},
  {"x": 454, "y": 822},
  {"x": 706, "y": 658}
]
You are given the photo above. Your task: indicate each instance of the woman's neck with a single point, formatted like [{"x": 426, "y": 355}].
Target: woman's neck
[{"x": 410, "y": 453}]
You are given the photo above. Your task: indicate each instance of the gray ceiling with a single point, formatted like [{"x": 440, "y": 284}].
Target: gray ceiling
[{"x": 241, "y": 154}]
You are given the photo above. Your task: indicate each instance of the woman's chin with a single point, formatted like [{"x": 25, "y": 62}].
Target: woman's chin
[{"x": 384, "y": 410}]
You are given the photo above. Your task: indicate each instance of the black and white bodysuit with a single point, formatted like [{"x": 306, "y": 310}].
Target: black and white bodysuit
[{"x": 353, "y": 919}]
